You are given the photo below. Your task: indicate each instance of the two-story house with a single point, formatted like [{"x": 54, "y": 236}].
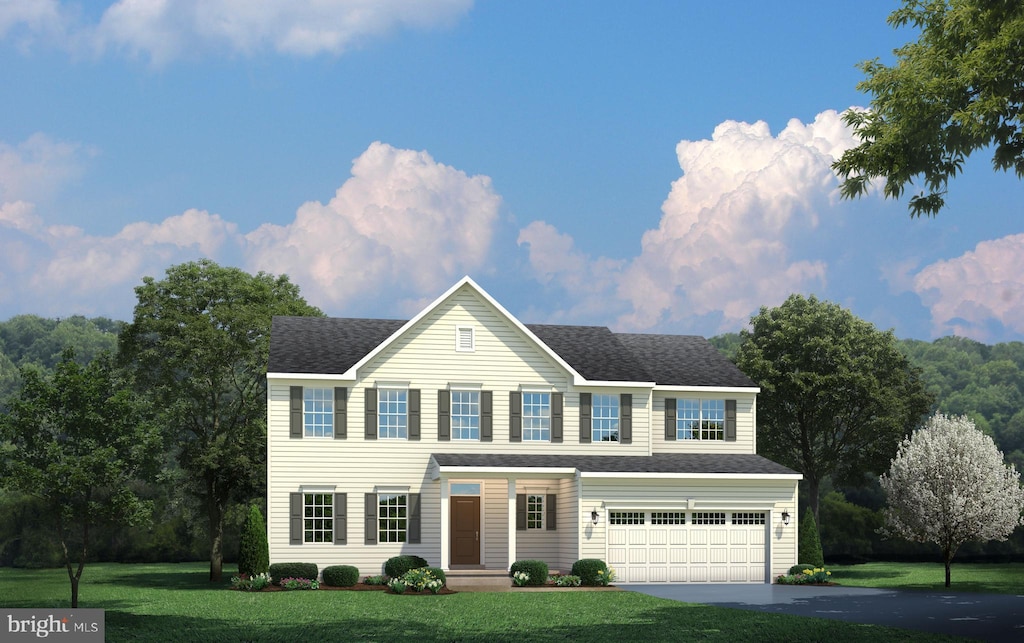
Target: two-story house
[{"x": 473, "y": 440}]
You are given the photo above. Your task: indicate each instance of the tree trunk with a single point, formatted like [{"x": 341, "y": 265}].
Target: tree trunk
[
  {"x": 216, "y": 516},
  {"x": 813, "y": 489},
  {"x": 74, "y": 592},
  {"x": 948, "y": 558}
]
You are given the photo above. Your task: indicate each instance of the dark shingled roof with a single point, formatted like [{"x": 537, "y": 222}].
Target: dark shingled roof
[
  {"x": 684, "y": 360},
  {"x": 332, "y": 345},
  {"x": 594, "y": 351},
  {"x": 328, "y": 345},
  {"x": 683, "y": 463}
]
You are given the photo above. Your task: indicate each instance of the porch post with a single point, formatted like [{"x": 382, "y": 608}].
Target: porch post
[
  {"x": 445, "y": 523},
  {"x": 511, "y": 506}
]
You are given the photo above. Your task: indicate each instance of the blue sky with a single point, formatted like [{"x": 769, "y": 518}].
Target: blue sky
[{"x": 652, "y": 167}]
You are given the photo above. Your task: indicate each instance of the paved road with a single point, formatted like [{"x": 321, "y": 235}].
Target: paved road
[{"x": 989, "y": 617}]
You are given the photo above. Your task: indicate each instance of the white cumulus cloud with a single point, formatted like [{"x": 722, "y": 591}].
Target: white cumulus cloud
[
  {"x": 402, "y": 225},
  {"x": 37, "y": 167},
  {"x": 163, "y": 30},
  {"x": 723, "y": 247},
  {"x": 967, "y": 293}
]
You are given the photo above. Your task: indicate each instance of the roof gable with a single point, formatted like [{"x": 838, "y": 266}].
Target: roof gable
[{"x": 590, "y": 354}]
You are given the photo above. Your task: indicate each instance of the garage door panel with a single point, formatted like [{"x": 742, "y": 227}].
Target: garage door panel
[{"x": 616, "y": 556}]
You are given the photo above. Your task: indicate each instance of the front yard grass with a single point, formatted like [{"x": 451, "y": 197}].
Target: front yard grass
[
  {"x": 163, "y": 602},
  {"x": 1005, "y": 578}
]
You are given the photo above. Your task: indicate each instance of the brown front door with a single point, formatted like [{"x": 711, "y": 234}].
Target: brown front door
[{"x": 465, "y": 528}]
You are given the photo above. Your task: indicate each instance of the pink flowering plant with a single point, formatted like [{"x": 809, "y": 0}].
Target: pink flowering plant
[{"x": 299, "y": 583}]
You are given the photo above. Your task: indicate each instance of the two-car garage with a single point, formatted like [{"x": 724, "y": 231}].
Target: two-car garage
[{"x": 672, "y": 546}]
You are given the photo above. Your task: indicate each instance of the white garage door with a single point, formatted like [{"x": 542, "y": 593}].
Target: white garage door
[{"x": 688, "y": 546}]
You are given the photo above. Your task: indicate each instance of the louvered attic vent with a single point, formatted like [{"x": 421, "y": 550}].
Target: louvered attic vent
[{"x": 465, "y": 342}]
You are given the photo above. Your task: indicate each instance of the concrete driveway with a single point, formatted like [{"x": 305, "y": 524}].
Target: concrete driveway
[{"x": 989, "y": 617}]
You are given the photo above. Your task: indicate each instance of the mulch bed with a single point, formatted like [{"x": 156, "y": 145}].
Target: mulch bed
[{"x": 359, "y": 587}]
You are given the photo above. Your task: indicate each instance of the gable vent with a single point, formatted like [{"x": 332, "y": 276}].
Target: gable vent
[{"x": 465, "y": 342}]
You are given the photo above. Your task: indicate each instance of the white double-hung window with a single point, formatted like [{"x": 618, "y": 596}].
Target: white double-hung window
[
  {"x": 393, "y": 413},
  {"x": 536, "y": 416},
  {"x": 604, "y": 421},
  {"x": 465, "y": 415},
  {"x": 318, "y": 412}
]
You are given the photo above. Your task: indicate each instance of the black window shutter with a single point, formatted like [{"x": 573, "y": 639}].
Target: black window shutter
[
  {"x": 414, "y": 519},
  {"x": 370, "y": 421},
  {"x": 551, "y": 511},
  {"x": 515, "y": 423},
  {"x": 340, "y": 519},
  {"x": 340, "y": 413},
  {"x": 370, "y": 518},
  {"x": 295, "y": 518},
  {"x": 585, "y": 427},
  {"x": 444, "y": 415},
  {"x": 626, "y": 418},
  {"x": 730, "y": 420},
  {"x": 486, "y": 416},
  {"x": 520, "y": 512},
  {"x": 556, "y": 417},
  {"x": 295, "y": 412},
  {"x": 670, "y": 418},
  {"x": 414, "y": 413}
]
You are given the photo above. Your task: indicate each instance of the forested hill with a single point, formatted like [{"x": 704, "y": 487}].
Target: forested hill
[
  {"x": 966, "y": 377},
  {"x": 28, "y": 339}
]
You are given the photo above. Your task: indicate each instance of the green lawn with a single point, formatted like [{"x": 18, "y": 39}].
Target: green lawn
[
  {"x": 175, "y": 602},
  {"x": 979, "y": 577}
]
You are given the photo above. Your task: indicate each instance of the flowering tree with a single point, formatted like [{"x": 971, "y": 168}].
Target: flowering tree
[{"x": 948, "y": 485}]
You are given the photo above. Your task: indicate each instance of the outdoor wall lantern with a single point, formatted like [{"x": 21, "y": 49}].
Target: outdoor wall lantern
[
  {"x": 595, "y": 517},
  {"x": 785, "y": 517}
]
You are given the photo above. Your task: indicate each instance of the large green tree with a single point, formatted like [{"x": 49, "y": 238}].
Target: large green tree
[
  {"x": 958, "y": 89},
  {"x": 837, "y": 395},
  {"x": 79, "y": 441},
  {"x": 199, "y": 341}
]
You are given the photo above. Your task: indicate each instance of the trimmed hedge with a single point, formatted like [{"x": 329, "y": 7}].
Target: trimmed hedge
[
  {"x": 537, "y": 569},
  {"x": 398, "y": 565},
  {"x": 293, "y": 570},
  {"x": 799, "y": 569},
  {"x": 341, "y": 575},
  {"x": 438, "y": 573},
  {"x": 587, "y": 569}
]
